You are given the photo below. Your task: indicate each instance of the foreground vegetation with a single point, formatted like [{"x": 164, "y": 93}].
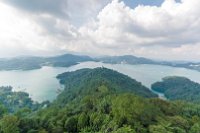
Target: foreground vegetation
[
  {"x": 102, "y": 100},
  {"x": 14, "y": 101}
]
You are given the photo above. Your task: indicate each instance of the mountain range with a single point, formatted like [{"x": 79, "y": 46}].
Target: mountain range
[
  {"x": 29, "y": 63},
  {"x": 66, "y": 60},
  {"x": 130, "y": 59}
]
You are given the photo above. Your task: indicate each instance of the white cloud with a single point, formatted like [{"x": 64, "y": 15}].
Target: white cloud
[
  {"x": 150, "y": 24},
  {"x": 24, "y": 34},
  {"x": 170, "y": 31},
  {"x": 127, "y": 31}
]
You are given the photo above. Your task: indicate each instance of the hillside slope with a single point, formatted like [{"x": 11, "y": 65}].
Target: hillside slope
[
  {"x": 178, "y": 88},
  {"x": 89, "y": 81}
]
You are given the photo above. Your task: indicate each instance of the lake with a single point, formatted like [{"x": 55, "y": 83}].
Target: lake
[{"x": 42, "y": 84}]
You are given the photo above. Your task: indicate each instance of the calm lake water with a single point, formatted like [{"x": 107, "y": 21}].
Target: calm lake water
[{"x": 42, "y": 84}]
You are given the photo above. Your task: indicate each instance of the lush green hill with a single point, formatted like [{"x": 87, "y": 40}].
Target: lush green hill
[
  {"x": 89, "y": 81},
  {"x": 66, "y": 60},
  {"x": 178, "y": 88}
]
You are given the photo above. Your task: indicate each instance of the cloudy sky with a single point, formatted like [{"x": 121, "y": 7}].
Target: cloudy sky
[{"x": 160, "y": 29}]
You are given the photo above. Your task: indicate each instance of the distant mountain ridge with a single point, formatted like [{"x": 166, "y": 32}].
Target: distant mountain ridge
[
  {"x": 130, "y": 59},
  {"x": 29, "y": 63},
  {"x": 67, "y": 60}
]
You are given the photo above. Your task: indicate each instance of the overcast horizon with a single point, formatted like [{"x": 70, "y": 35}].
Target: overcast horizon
[{"x": 157, "y": 29}]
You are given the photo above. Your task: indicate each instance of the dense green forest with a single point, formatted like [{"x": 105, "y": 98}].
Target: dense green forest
[
  {"x": 15, "y": 101},
  {"x": 102, "y": 100},
  {"x": 178, "y": 88},
  {"x": 90, "y": 81}
]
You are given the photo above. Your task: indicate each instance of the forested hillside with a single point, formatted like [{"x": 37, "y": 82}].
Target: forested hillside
[
  {"x": 104, "y": 101},
  {"x": 90, "y": 81},
  {"x": 178, "y": 88}
]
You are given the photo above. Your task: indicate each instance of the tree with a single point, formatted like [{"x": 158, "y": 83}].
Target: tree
[
  {"x": 83, "y": 121},
  {"x": 3, "y": 110},
  {"x": 125, "y": 129},
  {"x": 128, "y": 109},
  {"x": 9, "y": 124},
  {"x": 195, "y": 128},
  {"x": 71, "y": 124},
  {"x": 42, "y": 131},
  {"x": 158, "y": 129}
]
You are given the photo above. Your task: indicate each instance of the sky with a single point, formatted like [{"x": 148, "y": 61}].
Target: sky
[{"x": 158, "y": 29}]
